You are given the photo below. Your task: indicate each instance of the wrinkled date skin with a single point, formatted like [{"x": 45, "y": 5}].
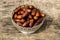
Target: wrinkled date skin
[{"x": 27, "y": 16}]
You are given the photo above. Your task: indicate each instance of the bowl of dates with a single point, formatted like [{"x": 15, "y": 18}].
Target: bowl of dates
[{"x": 27, "y": 18}]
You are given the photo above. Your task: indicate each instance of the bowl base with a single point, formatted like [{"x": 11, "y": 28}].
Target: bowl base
[{"x": 27, "y": 32}]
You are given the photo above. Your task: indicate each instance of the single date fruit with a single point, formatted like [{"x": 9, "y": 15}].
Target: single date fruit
[
  {"x": 25, "y": 23},
  {"x": 38, "y": 21}
]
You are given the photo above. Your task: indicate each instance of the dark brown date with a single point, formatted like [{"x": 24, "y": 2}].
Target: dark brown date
[
  {"x": 25, "y": 24},
  {"x": 20, "y": 24},
  {"x": 19, "y": 17},
  {"x": 38, "y": 21},
  {"x": 15, "y": 15},
  {"x": 31, "y": 22},
  {"x": 20, "y": 12},
  {"x": 22, "y": 20},
  {"x": 33, "y": 12},
  {"x": 37, "y": 13},
  {"x": 25, "y": 14}
]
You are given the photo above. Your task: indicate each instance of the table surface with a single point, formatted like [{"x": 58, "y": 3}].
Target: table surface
[{"x": 50, "y": 30}]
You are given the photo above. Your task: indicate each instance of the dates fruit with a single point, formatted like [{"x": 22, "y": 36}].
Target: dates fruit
[
  {"x": 19, "y": 16},
  {"x": 31, "y": 22},
  {"x": 33, "y": 12},
  {"x": 15, "y": 16},
  {"x": 35, "y": 17},
  {"x": 37, "y": 14},
  {"x": 27, "y": 16},
  {"x": 20, "y": 24},
  {"x": 38, "y": 21},
  {"x": 25, "y": 24}
]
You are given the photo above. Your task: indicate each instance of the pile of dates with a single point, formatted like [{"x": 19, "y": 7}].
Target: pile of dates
[{"x": 27, "y": 16}]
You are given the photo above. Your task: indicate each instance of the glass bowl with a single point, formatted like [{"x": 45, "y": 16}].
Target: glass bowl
[{"x": 27, "y": 30}]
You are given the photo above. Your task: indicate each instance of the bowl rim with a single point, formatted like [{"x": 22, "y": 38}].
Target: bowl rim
[{"x": 27, "y": 27}]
